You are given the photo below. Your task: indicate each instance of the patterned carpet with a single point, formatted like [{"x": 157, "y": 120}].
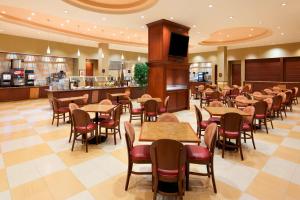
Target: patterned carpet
[{"x": 36, "y": 162}]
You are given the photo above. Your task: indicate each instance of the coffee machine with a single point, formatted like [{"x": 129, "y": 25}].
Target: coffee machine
[
  {"x": 18, "y": 72},
  {"x": 6, "y": 79},
  {"x": 29, "y": 77}
]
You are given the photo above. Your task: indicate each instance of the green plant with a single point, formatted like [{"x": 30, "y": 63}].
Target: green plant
[{"x": 141, "y": 74}]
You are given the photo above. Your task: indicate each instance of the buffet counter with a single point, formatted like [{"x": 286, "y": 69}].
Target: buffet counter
[
  {"x": 22, "y": 93},
  {"x": 96, "y": 94}
]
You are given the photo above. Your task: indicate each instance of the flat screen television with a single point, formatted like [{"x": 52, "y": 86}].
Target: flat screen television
[{"x": 178, "y": 45}]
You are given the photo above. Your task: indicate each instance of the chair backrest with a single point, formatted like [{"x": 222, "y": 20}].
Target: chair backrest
[
  {"x": 105, "y": 102},
  {"x": 296, "y": 90},
  {"x": 216, "y": 104},
  {"x": 167, "y": 155},
  {"x": 247, "y": 96},
  {"x": 268, "y": 91},
  {"x": 198, "y": 114},
  {"x": 86, "y": 98},
  {"x": 72, "y": 107},
  {"x": 151, "y": 106},
  {"x": 201, "y": 88},
  {"x": 166, "y": 102},
  {"x": 269, "y": 102},
  {"x": 283, "y": 95},
  {"x": 146, "y": 96},
  {"x": 229, "y": 102},
  {"x": 240, "y": 98},
  {"x": 117, "y": 114},
  {"x": 215, "y": 95},
  {"x": 210, "y": 137},
  {"x": 256, "y": 93},
  {"x": 261, "y": 107},
  {"x": 250, "y": 110},
  {"x": 235, "y": 91},
  {"x": 168, "y": 117},
  {"x": 288, "y": 96},
  {"x": 81, "y": 118},
  {"x": 246, "y": 89},
  {"x": 277, "y": 101},
  {"x": 55, "y": 104},
  {"x": 130, "y": 136},
  {"x": 231, "y": 122}
]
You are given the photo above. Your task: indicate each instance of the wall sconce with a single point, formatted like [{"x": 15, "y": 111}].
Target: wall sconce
[
  {"x": 103, "y": 71},
  {"x": 122, "y": 57},
  {"x": 129, "y": 71}
]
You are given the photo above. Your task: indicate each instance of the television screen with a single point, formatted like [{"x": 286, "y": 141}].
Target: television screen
[{"x": 178, "y": 45}]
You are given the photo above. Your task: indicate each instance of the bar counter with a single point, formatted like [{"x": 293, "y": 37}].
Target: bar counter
[
  {"x": 96, "y": 94},
  {"x": 22, "y": 93}
]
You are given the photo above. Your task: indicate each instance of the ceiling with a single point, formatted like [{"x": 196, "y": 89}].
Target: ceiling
[{"x": 60, "y": 20}]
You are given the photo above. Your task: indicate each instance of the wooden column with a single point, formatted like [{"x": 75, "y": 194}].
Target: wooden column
[{"x": 166, "y": 70}]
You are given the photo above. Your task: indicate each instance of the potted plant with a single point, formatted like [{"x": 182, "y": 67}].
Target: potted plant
[{"x": 141, "y": 74}]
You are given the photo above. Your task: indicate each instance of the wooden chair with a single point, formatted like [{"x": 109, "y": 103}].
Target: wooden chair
[
  {"x": 146, "y": 96},
  {"x": 168, "y": 117},
  {"x": 283, "y": 108},
  {"x": 72, "y": 107},
  {"x": 248, "y": 124},
  {"x": 205, "y": 96},
  {"x": 214, "y": 96},
  {"x": 113, "y": 124},
  {"x": 289, "y": 100},
  {"x": 59, "y": 111},
  {"x": 229, "y": 103},
  {"x": 203, "y": 155},
  {"x": 125, "y": 100},
  {"x": 168, "y": 158},
  {"x": 139, "y": 154},
  {"x": 104, "y": 116},
  {"x": 231, "y": 124},
  {"x": 164, "y": 108},
  {"x": 135, "y": 113},
  {"x": 238, "y": 101},
  {"x": 150, "y": 110},
  {"x": 234, "y": 93},
  {"x": 276, "y": 106},
  {"x": 261, "y": 111},
  {"x": 215, "y": 119},
  {"x": 201, "y": 124},
  {"x": 83, "y": 125},
  {"x": 295, "y": 95}
]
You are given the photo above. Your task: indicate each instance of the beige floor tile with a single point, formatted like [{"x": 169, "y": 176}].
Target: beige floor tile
[
  {"x": 55, "y": 135},
  {"x": 269, "y": 137},
  {"x": 63, "y": 184},
  {"x": 121, "y": 154},
  {"x": 22, "y": 155},
  {"x": 253, "y": 158},
  {"x": 266, "y": 186},
  {"x": 34, "y": 190},
  {"x": 281, "y": 124},
  {"x": 294, "y": 134},
  {"x": 75, "y": 157},
  {"x": 3, "y": 181},
  {"x": 42, "y": 123},
  {"x": 293, "y": 191},
  {"x": 16, "y": 135},
  {"x": 14, "y": 122},
  {"x": 288, "y": 154}
]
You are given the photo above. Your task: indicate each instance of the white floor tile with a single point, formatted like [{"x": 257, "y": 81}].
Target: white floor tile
[
  {"x": 291, "y": 142},
  {"x": 296, "y": 128},
  {"x": 21, "y": 143},
  {"x": 246, "y": 196},
  {"x": 5, "y": 195},
  {"x": 281, "y": 168},
  {"x": 60, "y": 145},
  {"x": 82, "y": 196},
  {"x": 264, "y": 147},
  {"x": 1, "y": 162},
  {"x": 279, "y": 132},
  {"x": 49, "y": 164}
]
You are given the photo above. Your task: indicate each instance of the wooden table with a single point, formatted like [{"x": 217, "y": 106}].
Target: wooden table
[
  {"x": 220, "y": 111},
  {"x": 71, "y": 99},
  {"x": 118, "y": 95},
  {"x": 262, "y": 97},
  {"x": 143, "y": 100},
  {"x": 182, "y": 132},
  {"x": 248, "y": 101}
]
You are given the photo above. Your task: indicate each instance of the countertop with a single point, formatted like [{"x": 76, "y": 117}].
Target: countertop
[
  {"x": 92, "y": 88},
  {"x": 20, "y": 87}
]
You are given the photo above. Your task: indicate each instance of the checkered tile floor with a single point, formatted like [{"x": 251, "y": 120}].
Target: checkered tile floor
[{"x": 36, "y": 162}]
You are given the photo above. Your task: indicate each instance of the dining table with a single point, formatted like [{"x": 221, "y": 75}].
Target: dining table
[
  {"x": 98, "y": 109},
  {"x": 179, "y": 131},
  {"x": 220, "y": 111},
  {"x": 248, "y": 101},
  {"x": 118, "y": 95},
  {"x": 71, "y": 99},
  {"x": 143, "y": 100}
]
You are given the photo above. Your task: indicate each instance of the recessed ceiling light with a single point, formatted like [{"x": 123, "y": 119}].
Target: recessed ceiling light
[
  {"x": 143, "y": 27},
  {"x": 3, "y": 12},
  {"x": 142, "y": 17},
  {"x": 114, "y": 34},
  {"x": 250, "y": 35},
  {"x": 282, "y": 34},
  {"x": 198, "y": 32},
  {"x": 66, "y": 12},
  {"x": 259, "y": 22},
  {"x": 194, "y": 26},
  {"x": 171, "y": 18},
  {"x": 220, "y": 33},
  {"x": 135, "y": 35},
  {"x": 61, "y": 24},
  {"x": 121, "y": 32},
  {"x": 39, "y": 32},
  {"x": 128, "y": 37},
  {"x": 33, "y": 14},
  {"x": 89, "y": 29},
  {"x": 95, "y": 27},
  {"x": 29, "y": 18},
  {"x": 67, "y": 21},
  {"x": 278, "y": 27},
  {"x": 230, "y": 17},
  {"x": 210, "y": 5},
  {"x": 283, "y": 4},
  {"x": 251, "y": 29},
  {"x": 228, "y": 36},
  {"x": 103, "y": 18}
]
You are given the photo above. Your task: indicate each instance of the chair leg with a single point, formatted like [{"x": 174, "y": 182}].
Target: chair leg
[
  {"x": 129, "y": 170},
  {"x": 187, "y": 172},
  {"x": 223, "y": 149},
  {"x": 71, "y": 132},
  {"x": 53, "y": 118},
  {"x": 115, "y": 140},
  {"x": 130, "y": 118},
  {"x": 57, "y": 122},
  {"x": 208, "y": 172},
  {"x": 252, "y": 137},
  {"x": 244, "y": 137},
  {"x": 75, "y": 135},
  {"x": 266, "y": 125},
  {"x": 213, "y": 177},
  {"x": 119, "y": 132},
  {"x": 271, "y": 123},
  {"x": 86, "y": 144},
  {"x": 64, "y": 115},
  {"x": 240, "y": 145}
]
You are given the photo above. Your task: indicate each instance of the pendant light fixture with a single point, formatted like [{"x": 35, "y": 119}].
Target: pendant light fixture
[
  {"x": 122, "y": 57},
  {"x": 78, "y": 51},
  {"x": 139, "y": 59},
  {"x": 48, "y": 51}
]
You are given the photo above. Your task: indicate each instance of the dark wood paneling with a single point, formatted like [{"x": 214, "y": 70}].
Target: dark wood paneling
[
  {"x": 292, "y": 69},
  {"x": 264, "y": 70},
  {"x": 89, "y": 70},
  {"x": 179, "y": 100},
  {"x": 43, "y": 92},
  {"x": 14, "y": 94},
  {"x": 235, "y": 74}
]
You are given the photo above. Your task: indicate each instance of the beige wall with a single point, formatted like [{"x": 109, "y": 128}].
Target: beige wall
[{"x": 272, "y": 51}]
